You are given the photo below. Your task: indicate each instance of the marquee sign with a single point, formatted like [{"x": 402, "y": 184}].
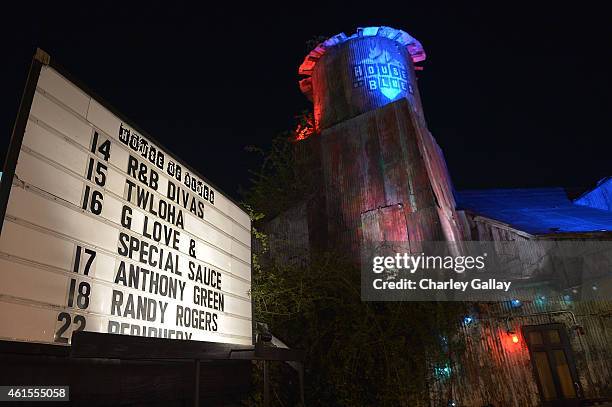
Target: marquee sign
[{"x": 106, "y": 231}]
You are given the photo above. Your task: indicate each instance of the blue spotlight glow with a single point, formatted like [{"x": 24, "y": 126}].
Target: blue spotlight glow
[
  {"x": 540, "y": 300},
  {"x": 515, "y": 303},
  {"x": 442, "y": 372}
]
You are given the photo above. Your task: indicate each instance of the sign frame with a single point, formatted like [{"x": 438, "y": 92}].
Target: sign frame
[{"x": 39, "y": 59}]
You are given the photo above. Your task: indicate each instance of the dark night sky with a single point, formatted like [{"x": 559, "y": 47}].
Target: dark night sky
[{"x": 517, "y": 96}]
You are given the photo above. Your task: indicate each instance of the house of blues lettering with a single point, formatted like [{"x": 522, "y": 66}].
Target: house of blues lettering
[
  {"x": 390, "y": 78},
  {"x": 141, "y": 146}
]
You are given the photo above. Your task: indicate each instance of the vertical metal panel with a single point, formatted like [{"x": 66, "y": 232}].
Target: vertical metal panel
[
  {"x": 21, "y": 121},
  {"x": 375, "y": 160},
  {"x": 386, "y": 224},
  {"x": 288, "y": 236}
]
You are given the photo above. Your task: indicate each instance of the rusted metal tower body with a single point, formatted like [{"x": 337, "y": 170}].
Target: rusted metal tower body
[{"x": 384, "y": 176}]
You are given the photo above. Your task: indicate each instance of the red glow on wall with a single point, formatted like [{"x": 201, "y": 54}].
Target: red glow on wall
[{"x": 512, "y": 342}]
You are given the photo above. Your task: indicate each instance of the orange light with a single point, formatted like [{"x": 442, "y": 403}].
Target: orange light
[
  {"x": 515, "y": 338},
  {"x": 305, "y": 128}
]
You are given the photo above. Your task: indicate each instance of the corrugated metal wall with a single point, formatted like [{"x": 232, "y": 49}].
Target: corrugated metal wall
[
  {"x": 377, "y": 160},
  {"x": 600, "y": 197},
  {"x": 340, "y": 87},
  {"x": 494, "y": 370},
  {"x": 288, "y": 237}
]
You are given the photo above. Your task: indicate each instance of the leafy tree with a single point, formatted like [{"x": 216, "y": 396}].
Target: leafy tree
[{"x": 357, "y": 353}]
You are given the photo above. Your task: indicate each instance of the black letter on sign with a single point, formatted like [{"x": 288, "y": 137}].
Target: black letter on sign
[
  {"x": 95, "y": 205},
  {"x": 66, "y": 320},
  {"x": 192, "y": 248},
  {"x": 126, "y": 217}
]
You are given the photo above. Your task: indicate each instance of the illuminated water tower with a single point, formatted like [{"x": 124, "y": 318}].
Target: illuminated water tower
[{"x": 385, "y": 178}]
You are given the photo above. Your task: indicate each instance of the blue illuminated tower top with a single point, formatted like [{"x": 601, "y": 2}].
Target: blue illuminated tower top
[{"x": 345, "y": 76}]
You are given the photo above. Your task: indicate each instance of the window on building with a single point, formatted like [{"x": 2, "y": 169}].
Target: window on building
[{"x": 552, "y": 360}]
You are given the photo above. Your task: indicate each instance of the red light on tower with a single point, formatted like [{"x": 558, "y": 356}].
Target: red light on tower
[
  {"x": 305, "y": 128},
  {"x": 515, "y": 338}
]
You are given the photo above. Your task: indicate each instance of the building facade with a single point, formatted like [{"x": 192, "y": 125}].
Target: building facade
[{"x": 383, "y": 178}]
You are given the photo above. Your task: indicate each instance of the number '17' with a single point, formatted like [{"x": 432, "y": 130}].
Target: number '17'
[{"x": 77, "y": 260}]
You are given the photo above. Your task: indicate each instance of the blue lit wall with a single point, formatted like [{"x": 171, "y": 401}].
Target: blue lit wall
[
  {"x": 536, "y": 210},
  {"x": 381, "y": 73},
  {"x": 379, "y": 70},
  {"x": 600, "y": 197}
]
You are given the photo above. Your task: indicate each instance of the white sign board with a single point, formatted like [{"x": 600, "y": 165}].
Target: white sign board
[{"x": 107, "y": 232}]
